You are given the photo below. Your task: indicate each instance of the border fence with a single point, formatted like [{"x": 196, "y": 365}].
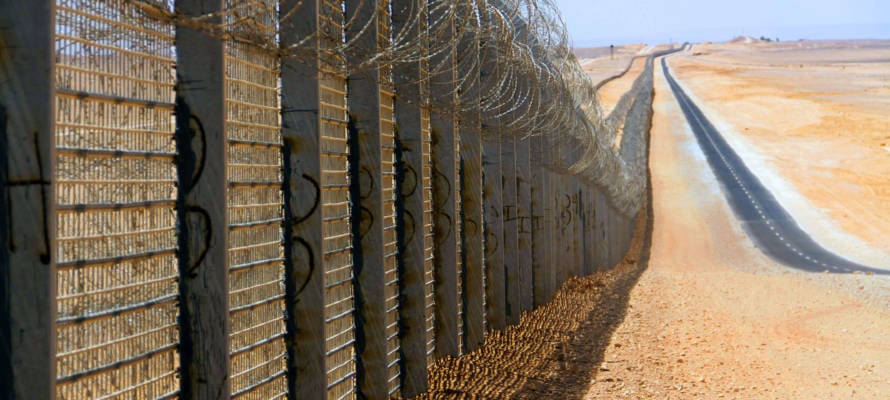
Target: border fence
[{"x": 267, "y": 199}]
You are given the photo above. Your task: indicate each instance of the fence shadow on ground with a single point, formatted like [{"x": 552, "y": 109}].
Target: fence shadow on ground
[{"x": 557, "y": 349}]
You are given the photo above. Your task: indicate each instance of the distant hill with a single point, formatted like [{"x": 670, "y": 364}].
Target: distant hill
[{"x": 743, "y": 39}]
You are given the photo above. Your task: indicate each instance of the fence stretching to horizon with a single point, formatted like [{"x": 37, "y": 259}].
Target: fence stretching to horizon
[{"x": 267, "y": 199}]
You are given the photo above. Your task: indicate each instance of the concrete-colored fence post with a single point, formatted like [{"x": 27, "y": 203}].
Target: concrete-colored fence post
[
  {"x": 367, "y": 197},
  {"x": 540, "y": 221},
  {"x": 318, "y": 246},
  {"x": 602, "y": 242},
  {"x": 27, "y": 204},
  {"x": 511, "y": 233},
  {"x": 203, "y": 225},
  {"x": 578, "y": 226},
  {"x": 470, "y": 132},
  {"x": 556, "y": 241},
  {"x": 443, "y": 122},
  {"x": 589, "y": 229},
  {"x": 494, "y": 235},
  {"x": 523, "y": 225},
  {"x": 408, "y": 78}
]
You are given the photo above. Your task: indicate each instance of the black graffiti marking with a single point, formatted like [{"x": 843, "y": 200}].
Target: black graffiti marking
[
  {"x": 208, "y": 236},
  {"x": 439, "y": 234},
  {"x": 367, "y": 183},
  {"x": 315, "y": 203},
  {"x": 440, "y": 179},
  {"x": 491, "y": 242},
  {"x": 287, "y": 181},
  {"x": 566, "y": 215},
  {"x": 524, "y": 224},
  {"x": 511, "y": 213},
  {"x": 308, "y": 247},
  {"x": 410, "y": 227},
  {"x": 366, "y": 222},
  {"x": 471, "y": 223},
  {"x": 190, "y": 134},
  {"x": 414, "y": 181},
  {"x": 45, "y": 255}
]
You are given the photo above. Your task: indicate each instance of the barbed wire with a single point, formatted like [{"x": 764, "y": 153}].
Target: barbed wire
[{"x": 518, "y": 52}]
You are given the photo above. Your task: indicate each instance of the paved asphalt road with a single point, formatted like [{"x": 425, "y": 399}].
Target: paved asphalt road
[{"x": 764, "y": 219}]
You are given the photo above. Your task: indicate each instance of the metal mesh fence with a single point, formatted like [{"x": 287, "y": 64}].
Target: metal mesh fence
[
  {"x": 458, "y": 233},
  {"x": 338, "y": 295},
  {"x": 117, "y": 270},
  {"x": 429, "y": 273},
  {"x": 388, "y": 185},
  {"x": 254, "y": 198}
]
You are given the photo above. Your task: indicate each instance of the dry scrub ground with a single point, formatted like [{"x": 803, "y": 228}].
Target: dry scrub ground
[{"x": 696, "y": 311}]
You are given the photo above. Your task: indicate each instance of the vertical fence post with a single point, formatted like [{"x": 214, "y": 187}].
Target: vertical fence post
[
  {"x": 491, "y": 76},
  {"x": 304, "y": 262},
  {"x": 27, "y": 201},
  {"x": 553, "y": 217},
  {"x": 470, "y": 131},
  {"x": 494, "y": 234},
  {"x": 602, "y": 244},
  {"x": 540, "y": 220},
  {"x": 511, "y": 232},
  {"x": 578, "y": 227},
  {"x": 442, "y": 125},
  {"x": 523, "y": 225},
  {"x": 582, "y": 231},
  {"x": 565, "y": 214},
  {"x": 554, "y": 242},
  {"x": 367, "y": 197},
  {"x": 201, "y": 152},
  {"x": 589, "y": 235},
  {"x": 408, "y": 79}
]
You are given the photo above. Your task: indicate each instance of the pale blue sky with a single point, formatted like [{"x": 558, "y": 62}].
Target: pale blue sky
[{"x": 601, "y": 22}]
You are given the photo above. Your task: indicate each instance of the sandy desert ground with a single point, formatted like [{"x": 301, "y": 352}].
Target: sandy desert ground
[
  {"x": 611, "y": 92},
  {"x": 712, "y": 317},
  {"x": 600, "y": 65},
  {"x": 813, "y": 118},
  {"x": 696, "y": 311}
]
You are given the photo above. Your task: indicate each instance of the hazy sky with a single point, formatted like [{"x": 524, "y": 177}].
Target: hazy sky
[{"x": 601, "y": 22}]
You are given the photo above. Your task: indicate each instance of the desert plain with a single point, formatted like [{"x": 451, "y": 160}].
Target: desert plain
[{"x": 696, "y": 310}]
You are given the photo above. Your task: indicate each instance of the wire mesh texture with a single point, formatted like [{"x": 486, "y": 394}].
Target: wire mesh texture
[
  {"x": 388, "y": 186},
  {"x": 117, "y": 270},
  {"x": 429, "y": 273},
  {"x": 254, "y": 206},
  {"x": 337, "y": 245},
  {"x": 118, "y": 276}
]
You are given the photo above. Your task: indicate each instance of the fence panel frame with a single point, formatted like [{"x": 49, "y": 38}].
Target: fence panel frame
[
  {"x": 27, "y": 201},
  {"x": 513, "y": 280},
  {"x": 523, "y": 225},
  {"x": 204, "y": 333},
  {"x": 443, "y": 124},
  {"x": 492, "y": 180},
  {"x": 470, "y": 132},
  {"x": 409, "y": 79}
]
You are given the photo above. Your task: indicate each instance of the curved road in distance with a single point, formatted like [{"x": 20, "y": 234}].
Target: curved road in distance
[{"x": 771, "y": 227}]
